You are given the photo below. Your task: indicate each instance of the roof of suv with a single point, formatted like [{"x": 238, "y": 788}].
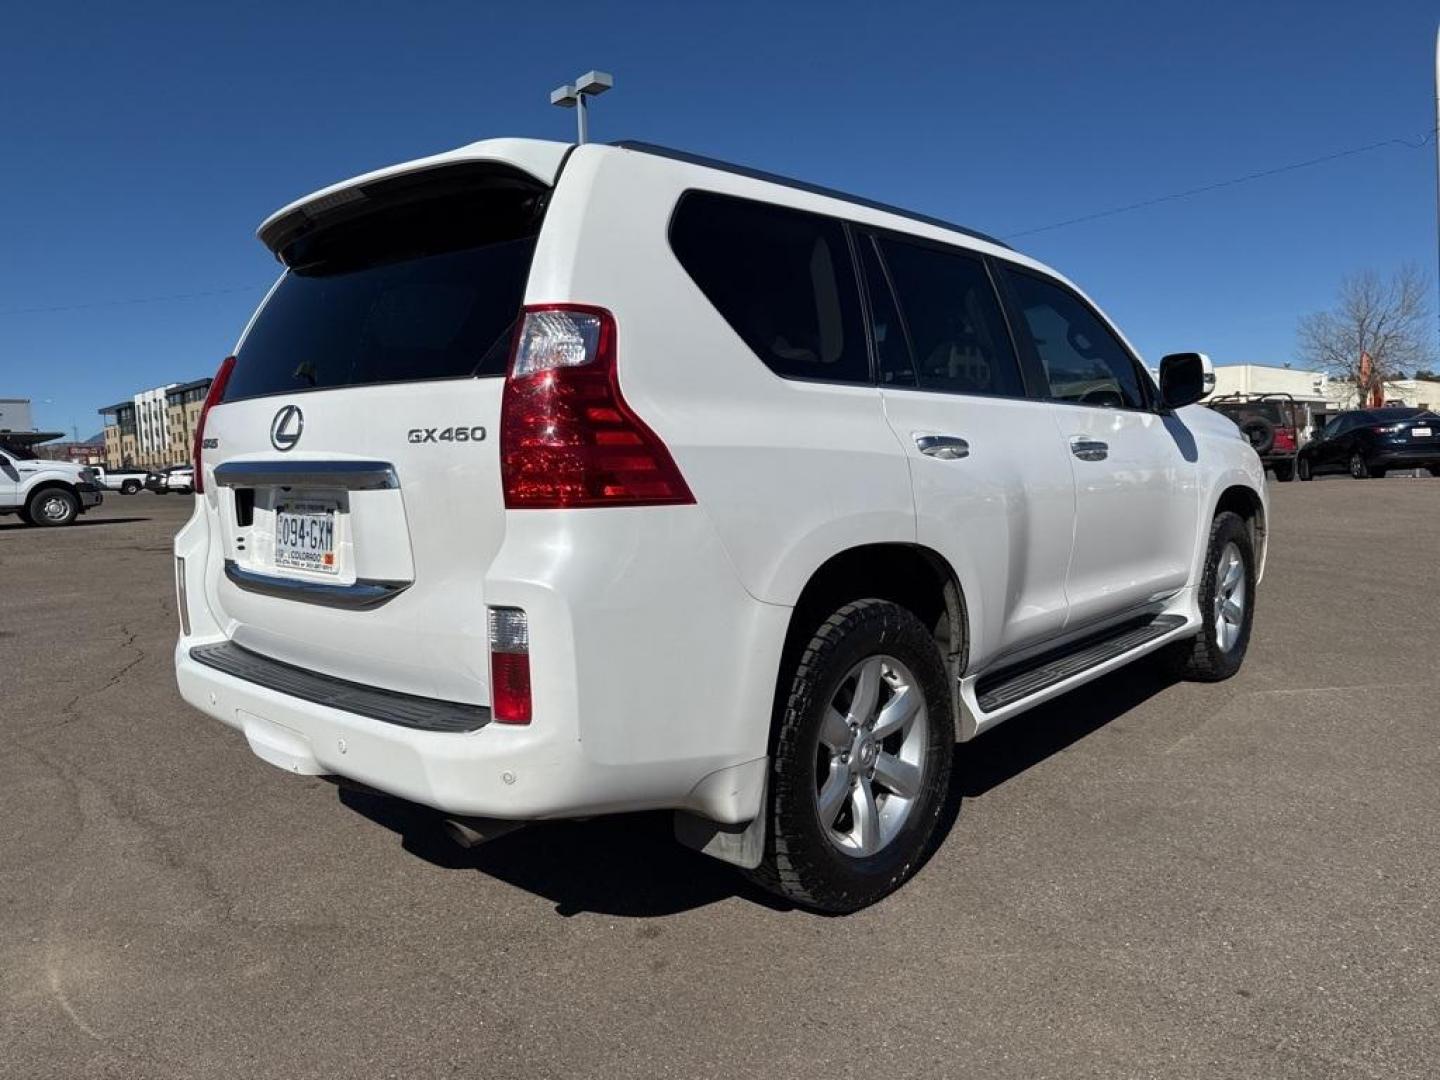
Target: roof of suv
[
  {"x": 543, "y": 159},
  {"x": 802, "y": 185}
]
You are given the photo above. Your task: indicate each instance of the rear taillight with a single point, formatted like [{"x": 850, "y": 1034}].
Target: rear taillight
[
  {"x": 567, "y": 437},
  {"x": 1284, "y": 439},
  {"x": 509, "y": 666},
  {"x": 1388, "y": 429},
  {"x": 217, "y": 391}
]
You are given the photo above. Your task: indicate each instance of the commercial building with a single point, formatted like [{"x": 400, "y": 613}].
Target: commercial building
[{"x": 156, "y": 427}]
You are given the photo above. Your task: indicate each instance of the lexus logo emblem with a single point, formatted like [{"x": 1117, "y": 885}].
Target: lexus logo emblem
[{"x": 285, "y": 429}]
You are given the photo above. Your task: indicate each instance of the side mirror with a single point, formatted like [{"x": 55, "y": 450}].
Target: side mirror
[{"x": 1183, "y": 379}]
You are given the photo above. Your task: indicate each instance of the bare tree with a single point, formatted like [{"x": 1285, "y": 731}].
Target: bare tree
[{"x": 1378, "y": 330}]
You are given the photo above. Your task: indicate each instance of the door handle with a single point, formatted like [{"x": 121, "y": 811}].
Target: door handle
[
  {"x": 944, "y": 447},
  {"x": 1089, "y": 449}
]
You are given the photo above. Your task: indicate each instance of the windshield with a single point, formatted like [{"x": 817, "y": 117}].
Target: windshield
[{"x": 19, "y": 451}]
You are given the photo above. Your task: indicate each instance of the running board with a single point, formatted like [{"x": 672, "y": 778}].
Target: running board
[{"x": 995, "y": 696}]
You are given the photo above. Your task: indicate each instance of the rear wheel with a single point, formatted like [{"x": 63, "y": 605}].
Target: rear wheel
[
  {"x": 1435, "y": 470},
  {"x": 862, "y": 760},
  {"x": 1302, "y": 469},
  {"x": 130, "y": 487},
  {"x": 52, "y": 506},
  {"x": 1227, "y": 604},
  {"x": 1360, "y": 469}
]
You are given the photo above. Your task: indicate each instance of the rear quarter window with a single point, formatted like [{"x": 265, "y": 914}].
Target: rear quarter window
[{"x": 781, "y": 278}]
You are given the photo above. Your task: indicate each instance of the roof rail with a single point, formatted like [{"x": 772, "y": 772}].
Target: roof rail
[{"x": 801, "y": 185}]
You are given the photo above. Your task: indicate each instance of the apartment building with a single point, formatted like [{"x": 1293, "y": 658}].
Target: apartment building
[
  {"x": 156, "y": 427},
  {"x": 183, "y": 403}
]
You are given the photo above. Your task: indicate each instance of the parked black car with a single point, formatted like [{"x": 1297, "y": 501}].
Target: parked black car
[
  {"x": 1271, "y": 422},
  {"x": 1367, "y": 442}
]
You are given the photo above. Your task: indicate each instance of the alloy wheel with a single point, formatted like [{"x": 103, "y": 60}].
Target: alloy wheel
[
  {"x": 870, "y": 756},
  {"x": 1229, "y": 597}
]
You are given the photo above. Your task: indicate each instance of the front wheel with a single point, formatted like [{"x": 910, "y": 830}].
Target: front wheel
[
  {"x": 862, "y": 759},
  {"x": 53, "y": 506},
  {"x": 1227, "y": 604}
]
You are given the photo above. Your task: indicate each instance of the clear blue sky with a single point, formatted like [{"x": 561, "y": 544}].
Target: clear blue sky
[{"x": 143, "y": 143}]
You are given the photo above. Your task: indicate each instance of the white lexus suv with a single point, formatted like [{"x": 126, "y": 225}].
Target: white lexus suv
[{"x": 551, "y": 481}]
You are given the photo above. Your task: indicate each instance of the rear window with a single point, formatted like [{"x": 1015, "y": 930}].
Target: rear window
[
  {"x": 781, "y": 278},
  {"x": 424, "y": 290}
]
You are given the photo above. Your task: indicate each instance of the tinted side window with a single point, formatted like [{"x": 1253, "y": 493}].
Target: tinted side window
[
  {"x": 1084, "y": 362},
  {"x": 781, "y": 278},
  {"x": 957, "y": 330}
]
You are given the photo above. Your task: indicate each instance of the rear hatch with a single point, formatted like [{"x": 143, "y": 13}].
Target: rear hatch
[{"x": 352, "y": 465}]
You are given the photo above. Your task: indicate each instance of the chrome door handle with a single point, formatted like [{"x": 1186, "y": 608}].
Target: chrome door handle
[
  {"x": 1089, "y": 449},
  {"x": 944, "y": 447}
]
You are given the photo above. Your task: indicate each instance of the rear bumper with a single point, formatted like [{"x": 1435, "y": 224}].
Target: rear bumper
[
  {"x": 653, "y": 677},
  {"x": 1419, "y": 457},
  {"x": 501, "y": 771}
]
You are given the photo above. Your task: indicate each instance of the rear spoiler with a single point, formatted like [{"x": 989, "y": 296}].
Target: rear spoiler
[{"x": 522, "y": 162}]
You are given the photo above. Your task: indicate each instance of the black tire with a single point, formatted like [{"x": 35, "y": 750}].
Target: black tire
[
  {"x": 802, "y": 863},
  {"x": 129, "y": 487},
  {"x": 1260, "y": 432},
  {"x": 1302, "y": 469},
  {"x": 1202, "y": 659},
  {"x": 1435, "y": 470},
  {"x": 52, "y": 506},
  {"x": 1284, "y": 471},
  {"x": 1359, "y": 467}
]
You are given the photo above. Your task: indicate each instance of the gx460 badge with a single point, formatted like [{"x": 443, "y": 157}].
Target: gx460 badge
[{"x": 449, "y": 434}]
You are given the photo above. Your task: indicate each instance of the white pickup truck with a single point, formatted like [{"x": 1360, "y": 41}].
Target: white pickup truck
[
  {"x": 44, "y": 492},
  {"x": 127, "y": 481}
]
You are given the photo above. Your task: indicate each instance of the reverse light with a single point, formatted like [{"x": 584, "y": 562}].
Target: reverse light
[
  {"x": 567, "y": 436},
  {"x": 217, "y": 391},
  {"x": 509, "y": 666}
]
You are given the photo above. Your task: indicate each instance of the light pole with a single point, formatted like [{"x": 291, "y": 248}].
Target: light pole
[{"x": 591, "y": 84}]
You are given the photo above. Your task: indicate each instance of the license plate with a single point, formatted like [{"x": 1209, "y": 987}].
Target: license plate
[
  {"x": 305, "y": 537},
  {"x": 1420, "y": 432}
]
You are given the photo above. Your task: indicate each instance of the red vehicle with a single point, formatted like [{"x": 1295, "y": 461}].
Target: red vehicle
[{"x": 1272, "y": 424}]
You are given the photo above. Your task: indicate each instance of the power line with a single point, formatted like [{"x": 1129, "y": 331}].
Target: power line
[
  {"x": 1233, "y": 181},
  {"x": 135, "y": 300}
]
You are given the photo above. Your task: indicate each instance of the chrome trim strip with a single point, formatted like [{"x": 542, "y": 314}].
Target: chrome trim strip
[
  {"x": 350, "y": 475},
  {"x": 363, "y": 594}
]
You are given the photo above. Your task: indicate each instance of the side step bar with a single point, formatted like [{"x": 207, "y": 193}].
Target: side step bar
[{"x": 994, "y": 696}]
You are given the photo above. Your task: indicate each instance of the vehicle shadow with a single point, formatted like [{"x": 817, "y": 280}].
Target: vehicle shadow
[
  {"x": 79, "y": 523},
  {"x": 626, "y": 865},
  {"x": 629, "y": 865}
]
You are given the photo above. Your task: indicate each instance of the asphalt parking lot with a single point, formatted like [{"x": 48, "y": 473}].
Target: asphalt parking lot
[{"x": 1143, "y": 879}]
